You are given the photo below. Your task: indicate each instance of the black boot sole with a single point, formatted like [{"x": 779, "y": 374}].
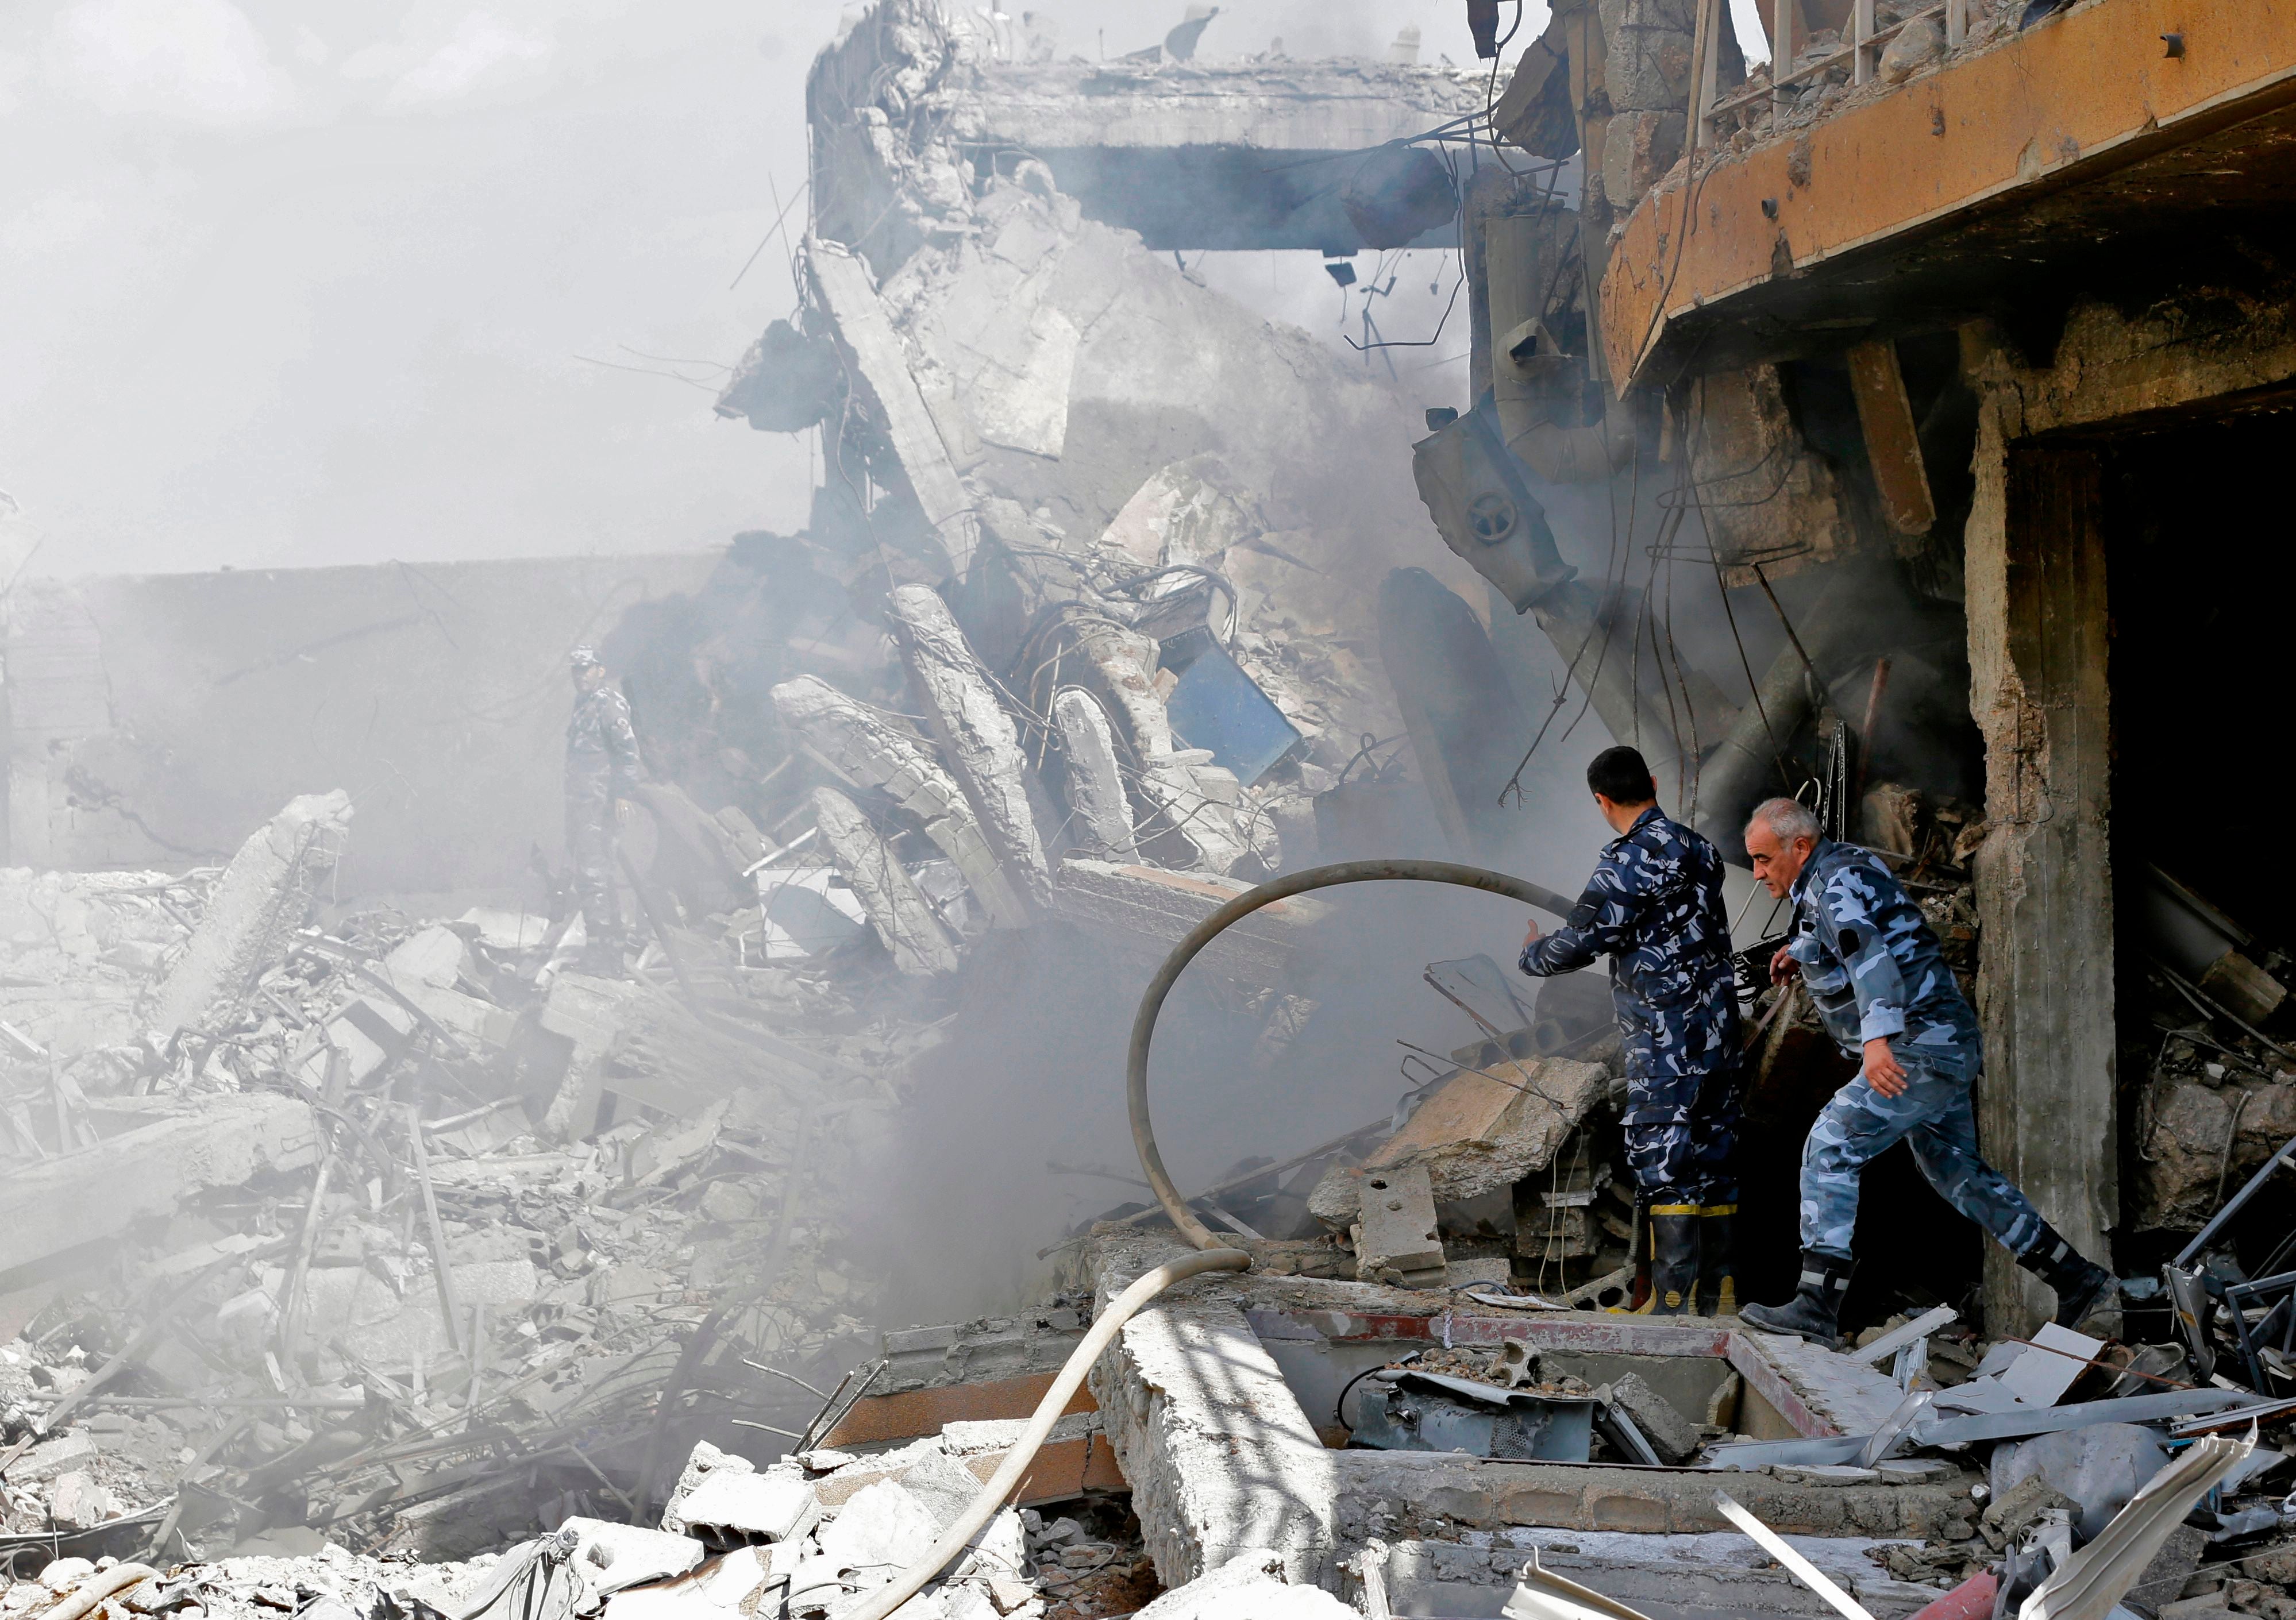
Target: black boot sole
[{"x": 1824, "y": 1341}]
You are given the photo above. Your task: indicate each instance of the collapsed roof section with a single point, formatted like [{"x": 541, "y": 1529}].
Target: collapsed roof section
[{"x": 914, "y": 113}]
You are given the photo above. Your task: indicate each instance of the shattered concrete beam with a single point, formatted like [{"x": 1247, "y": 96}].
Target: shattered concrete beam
[
  {"x": 1148, "y": 911},
  {"x": 1192, "y": 155},
  {"x": 896, "y": 910},
  {"x": 256, "y": 907},
  {"x": 880, "y": 369},
  {"x": 58, "y": 1204},
  {"x": 1096, "y": 785},
  {"x": 975, "y": 733},
  {"x": 864, "y": 751}
]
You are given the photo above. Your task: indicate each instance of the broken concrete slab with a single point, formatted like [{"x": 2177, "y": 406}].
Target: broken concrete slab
[
  {"x": 1184, "y": 514},
  {"x": 867, "y": 751},
  {"x": 1103, "y": 824},
  {"x": 1185, "y": 1390},
  {"x": 1148, "y": 911},
  {"x": 58, "y": 1203},
  {"x": 261, "y": 900},
  {"x": 887, "y": 389},
  {"x": 1476, "y": 1132},
  {"x": 976, "y": 734},
  {"x": 896, "y": 910}
]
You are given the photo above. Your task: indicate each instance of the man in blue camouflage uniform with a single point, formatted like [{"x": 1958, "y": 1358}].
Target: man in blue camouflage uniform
[
  {"x": 1654, "y": 907},
  {"x": 603, "y": 770},
  {"x": 1872, "y": 965}
]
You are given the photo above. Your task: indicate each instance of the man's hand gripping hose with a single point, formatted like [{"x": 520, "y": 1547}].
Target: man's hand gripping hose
[{"x": 1214, "y": 1255}]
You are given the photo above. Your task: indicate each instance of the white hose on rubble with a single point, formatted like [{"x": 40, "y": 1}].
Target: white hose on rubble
[
  {"x": 959, "y": 1535},
  {"x": 103, "y": 1583}
]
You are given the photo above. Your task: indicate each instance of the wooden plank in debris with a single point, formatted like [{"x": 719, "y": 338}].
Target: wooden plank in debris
[
  {"x": 866, "y": 333},
  {"x": 58, "y": 1204},
  {"x": 1146, "y": 910},
  {"x": 1893, "y": 441},
  {"x": 914, "y": 1413}
]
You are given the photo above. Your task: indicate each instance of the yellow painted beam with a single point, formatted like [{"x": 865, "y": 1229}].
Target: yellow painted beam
[{"x": 2078, "y": 96}]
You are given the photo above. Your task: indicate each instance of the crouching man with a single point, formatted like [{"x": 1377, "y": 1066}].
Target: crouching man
[{"x": 1871, "y": 965}]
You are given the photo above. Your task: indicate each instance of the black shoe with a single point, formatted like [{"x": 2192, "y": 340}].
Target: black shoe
[
  {"x": 1815, "y": 1312},
  {"x": 1674, "y": 1259},
  {"x": 2081, "y": 1285},
  {"x": 1718, "y": 1260}
]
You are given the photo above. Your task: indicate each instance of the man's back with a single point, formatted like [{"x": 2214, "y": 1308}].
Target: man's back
[{"x": 1655, "y": 905}]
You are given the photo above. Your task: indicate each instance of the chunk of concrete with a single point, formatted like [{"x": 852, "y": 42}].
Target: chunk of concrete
[
  {"x": 738, "y": 1506},
  {"x": 58, "y": 1204},
  {"x": 590, "y": 1013},
  {"x": 863, "y": 750},
  {"x": 704, "y": 1460},
  {"x": 435, "y": 956},
  {"x": 896, "y": 910},
  {"x": 975, "y": 733},
  {"x": 1672, "y": 1435},
  {"x": 262, "y": 898},
  {"x": 76, "y": 1503},
  {"x": 1250, "y": 1587},
  {"x": 1102, "y": 828},
  {"x": 1397, "y": 1231},
  {"x": 1184, "y": 513},
  {"x": 879, "y": 1532},
  {"x": 1476, "y": 1133},
  {"x": 2098, "y": 1470}
]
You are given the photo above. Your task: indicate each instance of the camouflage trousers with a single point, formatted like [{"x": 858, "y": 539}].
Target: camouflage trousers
[
  {"x": 590, "y": 848},
  {"x": 1686, "y": 1088},
  {"x": 1934, "y": 1116}
]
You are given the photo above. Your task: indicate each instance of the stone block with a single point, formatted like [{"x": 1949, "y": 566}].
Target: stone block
[
  {"x": 1398, "y": 1231},
  {"x": 76, "y": 1503},
  {"x": 1674, "y": 1437}
]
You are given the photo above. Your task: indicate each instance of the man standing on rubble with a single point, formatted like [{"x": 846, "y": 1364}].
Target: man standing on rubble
[
  {"x": 602, "y": 771},
  {"x": 1654, "y": 907},
  {"x": 1873, "y": 968}
]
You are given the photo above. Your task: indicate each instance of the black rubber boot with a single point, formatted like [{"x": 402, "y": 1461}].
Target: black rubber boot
[
  {"x": 2082, "y": 1285},
  {"x": 1718, "y": 1260},
  {"x": 1674, "y": 1259},
  {"x": 1815, "y": 1312}
]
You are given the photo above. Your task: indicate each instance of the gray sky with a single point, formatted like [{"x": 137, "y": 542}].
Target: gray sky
[{"x": 292, "y": 285}]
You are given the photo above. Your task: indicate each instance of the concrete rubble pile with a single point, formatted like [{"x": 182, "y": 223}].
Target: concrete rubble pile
[{"x": 393, "y": 1232}]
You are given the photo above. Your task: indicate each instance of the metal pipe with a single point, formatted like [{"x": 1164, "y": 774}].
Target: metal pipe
[
  {"x": 1152, "y": 1002},
  {"x": 954, "y": 1540}
]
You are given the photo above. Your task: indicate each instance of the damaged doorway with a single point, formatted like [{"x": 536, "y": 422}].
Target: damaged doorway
[{"x": 2197, "y": 661}]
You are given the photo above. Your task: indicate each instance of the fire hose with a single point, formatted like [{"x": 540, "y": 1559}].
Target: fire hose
[{"x": 1213, "y": 1254}]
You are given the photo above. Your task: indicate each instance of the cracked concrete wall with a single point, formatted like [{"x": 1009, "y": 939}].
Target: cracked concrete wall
[
  {"x": 2038, "y": 632},
  {"x": 153, "y": 720}
]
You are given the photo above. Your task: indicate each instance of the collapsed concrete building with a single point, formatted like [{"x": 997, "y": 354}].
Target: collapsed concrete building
[{"x": 1116, "y": 599}]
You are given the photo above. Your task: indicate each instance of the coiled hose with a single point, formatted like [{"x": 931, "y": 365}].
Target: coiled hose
[
  {"x": 1213, "y": 1254},
  {"x": 1151, "y": 1003}
]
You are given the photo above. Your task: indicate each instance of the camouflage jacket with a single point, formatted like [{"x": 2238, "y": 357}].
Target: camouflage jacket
[
  {"x": 1868, "y": 956},
  {"x": 602, "y": 747},
  {"x": 1654, "y": 907}
]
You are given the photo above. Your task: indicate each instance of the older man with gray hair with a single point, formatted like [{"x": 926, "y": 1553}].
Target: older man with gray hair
[{"x": 1872, "y": 965}]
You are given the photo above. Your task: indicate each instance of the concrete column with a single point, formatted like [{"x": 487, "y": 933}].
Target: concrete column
[{"x": 2037, "y": 632}]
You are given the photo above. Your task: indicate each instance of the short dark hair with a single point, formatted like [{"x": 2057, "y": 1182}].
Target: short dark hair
[{"x": 1623, "y": 776}]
